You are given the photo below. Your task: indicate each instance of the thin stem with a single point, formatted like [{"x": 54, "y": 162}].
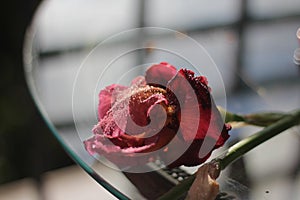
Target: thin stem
[
  {"x": 230, "y": 117},
  {"x": 247, "y": 144},
  {"x": 257, "y": 119},
  {"x": 263, "y": 119}
]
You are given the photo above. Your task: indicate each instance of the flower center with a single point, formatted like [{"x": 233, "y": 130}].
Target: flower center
[{"x": 149, "y": 108}]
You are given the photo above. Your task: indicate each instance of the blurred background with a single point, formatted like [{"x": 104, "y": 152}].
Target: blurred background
[{"x": 251, "y": 42}]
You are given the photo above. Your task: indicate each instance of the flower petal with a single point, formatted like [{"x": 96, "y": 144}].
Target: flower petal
[
  {"x": 160, "y": 74},
  {"x": 123, "y": 157},
  {"x": 142, "y": 103},
  {"x": 138, "y": 81},
  {"x": 113, "y": 123},
  {"x": 191, "y": 156},
  {"x": 204, "y": 186},
  {"x": 194, "y": 97},
  {"x": 200, "y": 120},
  {"x": 107, "y": 98},
  {"x": 125, "y": 150}
]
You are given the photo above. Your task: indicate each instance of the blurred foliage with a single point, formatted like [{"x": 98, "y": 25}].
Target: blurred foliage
[{"x": 27, "y": 147}]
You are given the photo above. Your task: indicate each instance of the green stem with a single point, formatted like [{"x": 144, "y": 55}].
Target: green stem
[
  {"x": 263, "y": 119},
  {"x": 257, "y": 119},
  {"x": 282, "y": 123},
  {"x": 247, "y": 144},
  {"x": 230, "y": 117}
]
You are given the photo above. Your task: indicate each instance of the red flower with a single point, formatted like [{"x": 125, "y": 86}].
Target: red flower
[{"x": 167, "y": 113}]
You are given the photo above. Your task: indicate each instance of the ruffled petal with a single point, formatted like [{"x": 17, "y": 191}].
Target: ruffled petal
[
  {"x": 113, "y": 123},
  {"x": 138, "y": 81},
  {"x": 107, "y": 98},
  {"x": 123, "y": 157},
  {"x": 125, "y": 150},
  {"x": 140, "y": 107},
  {"x": 131, "y": 112},
  {"x": 160, "y": 74},
  {"x": 199, "y": 116}
]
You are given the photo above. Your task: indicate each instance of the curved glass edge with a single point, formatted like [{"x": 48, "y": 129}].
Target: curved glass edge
[{"x": 28, "y": 61}]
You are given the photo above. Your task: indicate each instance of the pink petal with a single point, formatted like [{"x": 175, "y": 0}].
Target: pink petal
[
  {"x": 113, "y": 123},
  {"x": 140, "y": 109},
  {"x": 146, "y": 110},
  {"x": 160, "y": 74},
  {"x": 107, "y": 98},
  {"x": 102, "y": 145},
  {"x": 139, "y": 81},
  {"x": 123, "y": 157}
]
